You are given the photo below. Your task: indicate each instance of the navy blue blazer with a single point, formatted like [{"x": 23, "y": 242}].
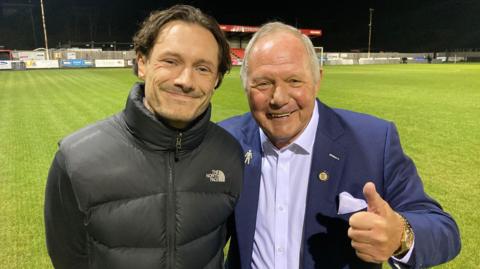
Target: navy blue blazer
[{"x": 364, "y": 148}]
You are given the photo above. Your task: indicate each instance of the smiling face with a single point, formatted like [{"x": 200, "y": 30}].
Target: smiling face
[
  {"x": 280, "y": 87},
  {"x": 180, "y": 73}
]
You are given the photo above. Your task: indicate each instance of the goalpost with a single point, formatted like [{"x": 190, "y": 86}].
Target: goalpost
[{"x": 319, "y": 52}]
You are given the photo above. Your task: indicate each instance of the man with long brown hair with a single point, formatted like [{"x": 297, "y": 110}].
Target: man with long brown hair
[{"x": 154, "y": 185}]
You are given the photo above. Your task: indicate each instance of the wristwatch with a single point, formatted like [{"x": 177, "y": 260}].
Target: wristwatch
[{"x": 407, "y": 238}]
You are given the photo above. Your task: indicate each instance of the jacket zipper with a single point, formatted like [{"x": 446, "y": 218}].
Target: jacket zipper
[
  {"x": 170, "y": 216},
  {"x": 171, "y": 212},
  {"x": 178, "y": 145}
]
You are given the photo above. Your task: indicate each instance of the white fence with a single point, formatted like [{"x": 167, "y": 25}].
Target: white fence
[
  {"x": 41, "y": 64},
  {"x": 110, "y": 63},
  {"x": 74, "y": 63},
  {"x": 82, "y": 58},
  {"x": 5, "y": 65},
  {"x": 345, "y": 58}
]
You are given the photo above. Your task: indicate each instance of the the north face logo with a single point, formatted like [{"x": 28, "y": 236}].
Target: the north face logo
[{"x": 216, "y": 176}]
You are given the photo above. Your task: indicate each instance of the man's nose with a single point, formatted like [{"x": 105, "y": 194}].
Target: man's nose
[
  {"x": 280, "y": 96},
  {"x": 184, "y": 80}
]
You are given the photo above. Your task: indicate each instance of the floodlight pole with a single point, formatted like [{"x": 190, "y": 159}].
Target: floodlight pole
[
  {"x": 44, "y": 30},
  {"x": 370, "y": 32}
]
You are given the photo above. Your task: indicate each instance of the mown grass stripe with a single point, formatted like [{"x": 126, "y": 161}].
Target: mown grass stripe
[{"x": 435, "y": 107}]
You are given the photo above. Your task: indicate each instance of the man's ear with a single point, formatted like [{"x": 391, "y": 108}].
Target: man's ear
[
  {"x": 216, "y": 82},
  {"x": 141, "y": 66},
  {"x": 317, "y": 86}
]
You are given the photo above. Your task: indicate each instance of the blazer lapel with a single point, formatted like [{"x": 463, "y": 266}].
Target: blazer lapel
[
  {"x": 328, "y": 158},
  {"x": 325, "y": 174},
  {"x": 246, "y": 209}
]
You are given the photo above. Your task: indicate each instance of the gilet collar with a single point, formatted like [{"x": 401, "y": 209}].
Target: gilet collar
[{"x": 154, "y": 132}]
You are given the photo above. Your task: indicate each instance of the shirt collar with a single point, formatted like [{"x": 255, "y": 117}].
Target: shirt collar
[{"x": 302, "y": 144}]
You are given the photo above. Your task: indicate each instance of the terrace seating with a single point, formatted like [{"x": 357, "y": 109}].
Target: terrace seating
[{"x": 238, "y": 52}]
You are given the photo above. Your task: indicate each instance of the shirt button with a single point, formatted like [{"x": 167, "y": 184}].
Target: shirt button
[
  {"x": 280, "y": 249},
  {"x": 281, "y": 208}
]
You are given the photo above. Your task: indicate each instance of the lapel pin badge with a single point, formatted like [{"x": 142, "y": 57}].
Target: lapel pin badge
[
  {"x": 334, "y": 156},
  {"x": 248, "y": 156},
  {"x": 323, "y": 176}
]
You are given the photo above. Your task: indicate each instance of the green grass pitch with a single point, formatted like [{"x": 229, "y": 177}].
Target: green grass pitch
[{"x": 435, "y": 107}]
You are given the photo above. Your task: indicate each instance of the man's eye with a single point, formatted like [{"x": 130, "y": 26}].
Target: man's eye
[
  {"x": 295, "y": 83},
  {"x": 169, "y": 61},
  {"x": 203, "y": 69},
  {"x": 263, "y": 85}
]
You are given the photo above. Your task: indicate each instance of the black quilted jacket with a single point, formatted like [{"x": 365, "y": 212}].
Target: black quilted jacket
[{"x": 130, "y": 192}]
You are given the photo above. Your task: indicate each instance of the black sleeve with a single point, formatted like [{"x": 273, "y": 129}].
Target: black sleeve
[
  {"x": 65, "y": 232},
  {"x": 233, "y": 257}
]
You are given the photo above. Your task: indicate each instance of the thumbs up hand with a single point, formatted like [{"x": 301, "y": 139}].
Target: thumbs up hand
[{"x": 377, "y": 233}]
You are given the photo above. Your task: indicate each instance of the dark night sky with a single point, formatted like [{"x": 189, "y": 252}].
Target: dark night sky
[{"x": 398, "y": 25}]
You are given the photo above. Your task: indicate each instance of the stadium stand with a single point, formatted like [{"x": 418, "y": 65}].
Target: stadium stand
[
  {"x": 100, "y": 54},
  {"x": 239, "y": 35},
  {"x": 237, "y": 55},
  {"x": 238, "y": 52},
  {"x": 6, "y": 54}
]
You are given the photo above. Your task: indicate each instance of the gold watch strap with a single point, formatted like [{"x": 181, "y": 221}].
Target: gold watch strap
[{"x": 407, "y": 238}]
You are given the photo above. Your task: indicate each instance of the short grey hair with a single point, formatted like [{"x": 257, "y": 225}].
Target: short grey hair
[{"x": 274, "y": 27}]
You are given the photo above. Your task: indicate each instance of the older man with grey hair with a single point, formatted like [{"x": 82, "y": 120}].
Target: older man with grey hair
[{"x": 323, "y": 187}]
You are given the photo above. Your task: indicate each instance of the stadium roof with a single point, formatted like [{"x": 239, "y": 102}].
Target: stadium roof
[{"x": 252, "y": 29}]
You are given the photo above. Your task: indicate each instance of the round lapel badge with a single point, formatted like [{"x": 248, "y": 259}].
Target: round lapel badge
[{"x": 323, "y": 176}]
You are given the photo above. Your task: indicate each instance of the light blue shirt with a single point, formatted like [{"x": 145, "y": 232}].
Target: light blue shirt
[{"x": 282, "y": 199}]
